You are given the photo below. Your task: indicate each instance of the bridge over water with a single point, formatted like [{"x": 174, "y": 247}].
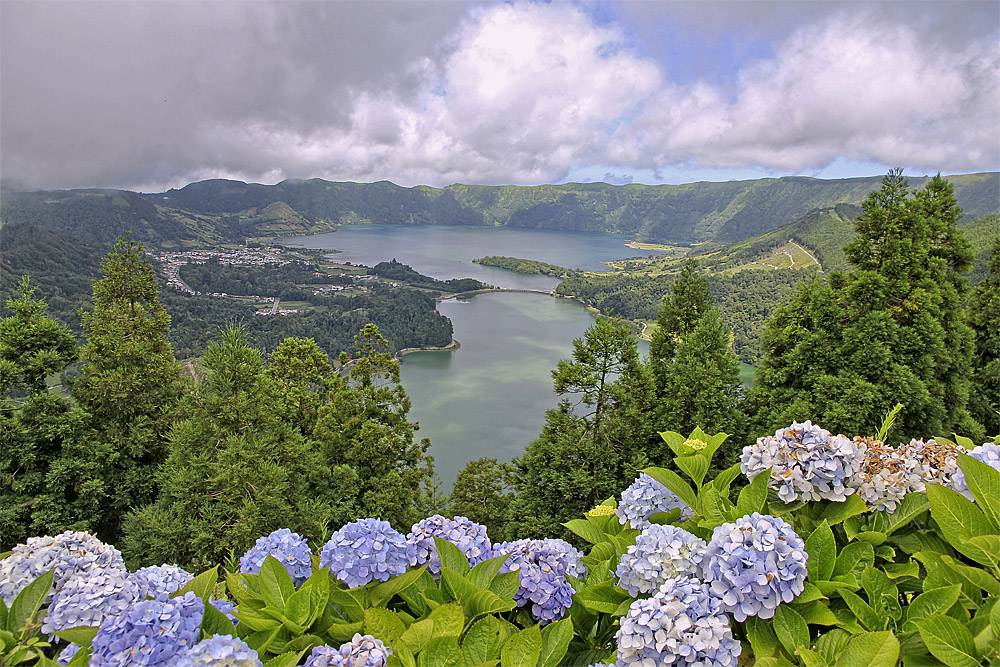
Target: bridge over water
[{"x": 461, "y": 295}]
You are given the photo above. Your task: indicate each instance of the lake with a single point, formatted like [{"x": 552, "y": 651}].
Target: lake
[{"x": 489, "y": 397}]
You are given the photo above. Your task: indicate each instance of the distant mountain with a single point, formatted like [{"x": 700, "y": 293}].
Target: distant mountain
[{"x": 221, "y": 210}]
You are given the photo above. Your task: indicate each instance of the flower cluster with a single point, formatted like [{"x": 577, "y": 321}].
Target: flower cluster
[
  {"x": 150, "y": 632},
  {"x": 68, "y": 553},
  {"x": 226, "y": 607},
  {"x": 365, "y": 550},
  {"x": 289, "y": 548},
  {"x": 469, "y": 536},
  {"x": 886, "y": 475},
  {"x": 541, "y": 572},
  {"x": 161, "y": 581},
  {"x": 808, "y": 463},
  {"x": 939, "y": 458},
  {"x": 220, "y": 651},
  {"x": 572, "y": 557},
  {"x": 361, "y": 651},
  {"x": 659, "y": 553},
  {"x": 67, "y": 654},
  {"x": 682, "y": 625},
  {"x": 87, "y": 599},
  {"x": 755, "y": 564},
  {"x": 988, "y": 454},
  {"x": 647, "y": 496}
]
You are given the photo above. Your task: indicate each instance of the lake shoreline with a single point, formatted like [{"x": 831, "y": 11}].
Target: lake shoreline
[{"x": 450, "y": 347}]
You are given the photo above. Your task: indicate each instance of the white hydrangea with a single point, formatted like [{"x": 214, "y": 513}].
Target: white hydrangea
[
  {"x": 886, "y": 475},
  {"x": 69, "y": 553}
]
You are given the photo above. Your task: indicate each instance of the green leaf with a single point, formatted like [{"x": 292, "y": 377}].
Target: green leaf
[
  {"x": 694, "y": 466},
  {"x": 822, "y": 549},
  {"x": 484, "y": 640},
  {"x": 25, "y": 606},
  {"x": 262, "y": 639},
  {"x": 555, "y": 642},
  {"x": 664, "y": 518},
  {"x": 522, "y": 649},
  {"x": 480, "y": 603},
  {"x": 959, "y": 519},
  {"x": 873, "y": 649},
  {"x": 712, "y": 507},
  {"x": 853, "y": 554},
  {"x": 451, "y": 556},
  {"x": 861, "y": 610},
  {"x": 753, "y": 496},
  {"x": 984, "y": 483},
  {"x": 900, "y": 570},
  {"x": 418, "y": 635},
  {"x": 811, "y": 658},
  {"x": 82, "y": 635},
  {"x": 604, "y": 598},
  {"x": 883, "y": 596},
  {"x": 381, "y": 593},
  {"x": 912, "y": 506},
  {"x": 816, "y": 613},
  {"x": 505, "y": 584},
  {"x": 586, "y": 530},
  {"x": 995, "y": 620},
  {"x": 761, "y": 636},
  {"x": 449, "y": 619},
  {"x": 289, "y": 659},
  {"x": 482, "y": 574},
  {"x": 675, "y": 483},
  {"x": 809, "y": 593},
  {"x": 384, "y": 624},
  {"x": 441, "y": 652},
  {"x": 790, "y": 628},
  {"x": 202, "y": 585},
  {"x": 835, "y": 513},
  {"x": 275, "y": 583},
  {"x": 725, "y": 478},
  {"x": 931, "y": 602},
  {"x": 214, "y": 622},
  {"x": 832, "y": 643},
  {"x": 948, "y": 640}
]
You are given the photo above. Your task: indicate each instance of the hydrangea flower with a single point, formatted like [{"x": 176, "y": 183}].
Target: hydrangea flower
[
  {"x": 886, "y": 475},
  {"x": 325, "y": 656},
  {"x": 361, "y": 651},
  {"x": 647, "y": 496},
  {"x": 67, "y": 654},
  {"x": 754, "y": 564},
  {"x": 541, "y": 572},
  {"x": 940, "y": 460},
  {"x": 808, "y": 463},
  {"x": 220, "y": 651},
  {"x": 572, "y": 557},
  {"x": 68, "y": 553},
  {"x": 682, "y": 625},
  {"x": 365, "y": 550},
  {"x": 226, "y": 607},
  {"x": 87, "y": 599},
  {"x": 161, "y": 581},
  {"x": 659, "y": 553},
  {"x": 469, "y": 536},
  {"x": 150, "y": 632},
  {"x": 289, "y": 548},
  {"x": 989, "y": 454}
]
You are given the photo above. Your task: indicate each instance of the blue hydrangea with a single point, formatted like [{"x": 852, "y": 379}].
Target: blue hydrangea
[
  {"x": 682, "y": 625},
  {"x": 220, "y": 651},
  {"x": 541, "y": 571},
  {"x": 366, "y": 550},
  {"x": 659, "y": 553},
  {"x": 68, "y": 553},
  {"x": 647, "y": 496},
  {"x": 87, "y": 599},
  {"x": 67, "y": 654},
  {"x": 161, "y": 581},
  {"x": 289, "y": 548},
  {"x": 361, "y": 651},
  {"x": 886, "y": 475},
  {"x": 989, "y": 454},
  {"x": 572, "y": 557},
  {"x": 150, "y": 632},
  {"x": 469, "y": 536},
  {"x": 808, "y": 463},
  {"x": 226, "y": 607},
  {"x": 754, "y": 564}
]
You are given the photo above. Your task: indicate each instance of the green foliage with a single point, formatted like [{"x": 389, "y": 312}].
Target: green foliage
[
  {"x": 21, "y": 640},
  {"x": 32, "y": 346},
  {"x": 482, "y": 493},
  {"x": 394, "y": 270},
  {"x": 526, "y": 266},
  {"x": 983, "y": 314}
]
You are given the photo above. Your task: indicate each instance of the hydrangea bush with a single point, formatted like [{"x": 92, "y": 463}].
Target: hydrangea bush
[{"x": 835, "y": 553}]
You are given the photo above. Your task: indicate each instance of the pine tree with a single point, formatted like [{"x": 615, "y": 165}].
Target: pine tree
[
  {"x": 32, "y": 345},
  {"x": 482, "y": 493},
  {"x": 984, "y": 314}
]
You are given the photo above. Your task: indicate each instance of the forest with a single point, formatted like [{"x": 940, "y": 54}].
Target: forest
[{"x": 654, "y": 520}]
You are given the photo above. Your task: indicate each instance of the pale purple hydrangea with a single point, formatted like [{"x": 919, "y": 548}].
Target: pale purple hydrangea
[
  {"x": 886, "y": 475},
  {"x": 659, "y": 553},
  {"x": 366, "y": 550},
  {"x": 361, "y": 651},
  {"x": 290, "y": 549},
  {"x": 572, "y": 557},
  {"x": 226, "y": 607},
  {"x": 469, "y": 536},
  {"x": 67, "y": 654},
  {"x": 989, "y": 454},
  {"x": 69, "y": 553},
  {"x": 807, "y": 462},
  {"x": 88, "y": 598},
  {"x": 683, "y": 625},
  {"x": 754, "y": 564},
  {"x": 150, "y": 632},
  {"x": 541, "y": 571},
  {"x": 161, "y": 581},
  {"x": 220, "y": 651},
  {"x": 940, "y": 460},
  {"x": 647, "y": 496}
]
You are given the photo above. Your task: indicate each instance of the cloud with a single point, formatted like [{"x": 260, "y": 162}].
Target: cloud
[{"x": 152, "y": 95}]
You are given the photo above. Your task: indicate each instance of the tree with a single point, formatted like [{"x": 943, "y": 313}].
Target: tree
[
  {"x": 482, "y": 493},
  {"x": 680, "y": 313},
  {"x": 984, "y": 313},
  {"x": 129, "y": 383},
  {"x": 32, "y": 345}
]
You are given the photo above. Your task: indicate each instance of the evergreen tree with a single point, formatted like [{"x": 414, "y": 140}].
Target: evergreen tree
[
  {"x": 680, "y": 313},
  {"x": 890, "y": 331},
  {"x": 482, "y": 493},
  {"x": 129, "y": 383},
  {"x": 32, "y": 345},
  {"x": 984, "y": 314}
]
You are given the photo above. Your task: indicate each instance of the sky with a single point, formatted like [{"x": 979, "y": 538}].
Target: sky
[{"x": 148, "y": 95}]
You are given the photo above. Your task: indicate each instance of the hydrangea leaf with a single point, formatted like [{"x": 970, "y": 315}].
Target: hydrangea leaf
[
  {"x": 505, "y": 584},
  {"x": 441, "y": 652},
  {"x": 522, "y": 649},
  {"x": 835, "y": 513},
  {"x": 984, "y": 484},
  {"x": 822, "y": 549},
  {"x": 861, "y": 610},
  {"x": 816, "y": 613},
  {"x": 384, "y": 624},
  {"x": 482, "y": 574},
  {"x": 586, "y": 530},
  {"x": 214, "y": 622},
  {"x": 853, "y": 554},
  {"x": 275, "y": 582},
  {"x": 912, "y": 506},
  {"x": 418, "y": 634},
  {"x": 753, "y": 496},
  {"x": 873, "y": 649},
  {"x": 485, "y": 639},
  {"x": 675, "y": 483},
  {"x": 81, "y": 635},
  {"x": 959, "y": 519},
  {"x": 948, "y": 640},
  {"x": 451, "y": 556},
  {"x": 381, "y": 593},
  {"x": 790, "y": 628},
  {"x": 832, "y": 643},
  {"x": 761, "y": 635},
  {"x": 449, "y": 620},
  {"x": 603, "y": 598},
  {"x": 555, "y": 642},
  {"x": 289, "y": 659},
  {"x": 695, "y": 466},
  {"x": 811, "y": 658},
  {"x": 725, "y": 478},
  {"x": 481, "y": 603},
  {"x": 931, "y": 602},
  {"x": 202, "y": 585},
  {"x": 25, "y": 606}
]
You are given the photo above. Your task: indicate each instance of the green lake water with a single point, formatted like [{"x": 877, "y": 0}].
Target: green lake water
[{"x": 489, "y": 397}]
